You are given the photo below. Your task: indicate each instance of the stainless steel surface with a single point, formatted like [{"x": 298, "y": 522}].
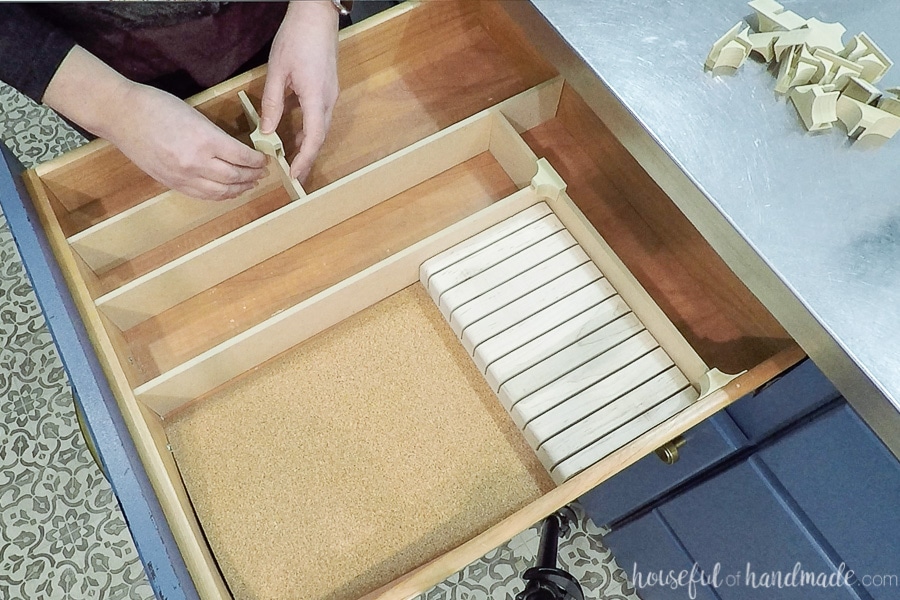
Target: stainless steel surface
[{"x": 811, "y": 223}]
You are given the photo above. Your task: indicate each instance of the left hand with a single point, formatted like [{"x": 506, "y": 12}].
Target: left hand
[{"x": 304, "y": 59}]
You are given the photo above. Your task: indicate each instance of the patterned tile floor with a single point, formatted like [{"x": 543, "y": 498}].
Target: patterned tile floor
[{"x": 61, "y": 532}]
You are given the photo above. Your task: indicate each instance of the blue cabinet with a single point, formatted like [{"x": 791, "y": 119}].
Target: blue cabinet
[{"x": 811, "y": 492}]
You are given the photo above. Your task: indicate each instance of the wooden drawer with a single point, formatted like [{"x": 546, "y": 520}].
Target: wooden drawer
[{"x": 228, "y": 332}]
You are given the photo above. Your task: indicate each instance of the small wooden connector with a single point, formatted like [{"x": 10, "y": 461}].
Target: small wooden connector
[
  {"x": 864, "y": 120},
  {"x": 547, "y": 182},
  {"x": 270, "y": 144},
  {"x": 861, "y": 90},
  {"x": 799, "y": 67},
  {"x": 827, "y": 36},
  {"x": 763, "y": 44},
  {"x": 773, "y": 17},
  {"x": 865, "y": 52},
  {"x": 730, "y": 50},
  {"x": 839, "y": 70},
  {"x": 816, "y": 104}
]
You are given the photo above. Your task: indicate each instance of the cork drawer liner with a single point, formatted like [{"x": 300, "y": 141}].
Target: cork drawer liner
[{"x": 283, "y": 349}]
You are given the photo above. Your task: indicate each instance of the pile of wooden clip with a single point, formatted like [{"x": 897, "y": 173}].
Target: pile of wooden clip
[{"x": 825, "y": 79}]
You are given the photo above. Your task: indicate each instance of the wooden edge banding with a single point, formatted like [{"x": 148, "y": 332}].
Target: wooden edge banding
[
  {"x": 184, "y": 525},
  {"x": 435, "y": 571},
  {"x": 250, "y": 348},
  {"x": 654, "y": 319}
]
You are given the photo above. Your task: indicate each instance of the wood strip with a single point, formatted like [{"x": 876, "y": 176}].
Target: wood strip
[
  {"x": 622, "y": 436},
  {"x": 273, "y": 233},
  {"x": 508, "y": 268},
  {"x": 515, "y": 288},
  {"x": 491, "y": 255},
  {"x": 612, "y": 416},
  {"x": 480, "y": 241},
  {"x": 539, "y": 323},
  {"x": 624, "y": 386},
  {"x": 610, "y": 374},
  {"x": 152, "y": 223},
  {"x": 428, "y": 575},
  {"x": 528, "y": 305},
  {"x": 511, "y": 151},
  {"x": 525, "y": 382},
  {"x": 184, "y": 525},
  {"x": 286, "y": 329}
]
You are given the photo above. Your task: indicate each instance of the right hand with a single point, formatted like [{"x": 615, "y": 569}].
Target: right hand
[{"x": 182, "y": 149}]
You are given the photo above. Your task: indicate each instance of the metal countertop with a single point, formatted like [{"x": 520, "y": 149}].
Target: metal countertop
[{"x": 810, "y": 223}]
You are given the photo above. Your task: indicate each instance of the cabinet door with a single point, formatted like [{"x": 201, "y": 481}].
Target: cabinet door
[
  {"x": 739, "y": 524},
  {"x": 848, "y": 484}
]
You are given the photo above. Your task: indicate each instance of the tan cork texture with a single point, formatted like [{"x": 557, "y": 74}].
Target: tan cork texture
[{"x": 355, "y": 457}]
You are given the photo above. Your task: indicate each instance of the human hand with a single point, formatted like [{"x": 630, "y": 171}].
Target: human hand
[
  {"x": 304, "y": 60},
  {"x": 182, "y": 149},
  {"x": 166, "y": 138}
]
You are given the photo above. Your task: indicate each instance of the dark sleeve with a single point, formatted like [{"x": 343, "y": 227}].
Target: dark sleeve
[{"x": 31, "y": 50}]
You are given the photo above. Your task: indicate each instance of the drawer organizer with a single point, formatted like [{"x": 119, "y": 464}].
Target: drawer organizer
[{"x": 301, "y": 406}]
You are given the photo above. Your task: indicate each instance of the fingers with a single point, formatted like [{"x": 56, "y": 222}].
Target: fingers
[
  {"x": 232, "y": 151},
  {"x": 206, "y": 189},
  {"x": 222, "y": 171},
  {"x": 316, "y": 120},
  {"x": 272, "y": 105}
]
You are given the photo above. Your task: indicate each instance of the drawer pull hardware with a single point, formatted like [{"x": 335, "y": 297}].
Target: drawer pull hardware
[{"x": 668, "y": 452}]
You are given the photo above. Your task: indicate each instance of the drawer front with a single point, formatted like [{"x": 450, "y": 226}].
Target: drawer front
[
  {"x": 706, "y": 444},
  {"x": 798, "y": 392},
  {"x": 847, "y": 483}
]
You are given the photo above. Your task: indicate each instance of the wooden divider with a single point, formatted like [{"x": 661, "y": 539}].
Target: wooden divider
[
  {"x": 248, "y": 349},
  {"x": 271, "y": 234},
  {"x": 152, "y": 223}
]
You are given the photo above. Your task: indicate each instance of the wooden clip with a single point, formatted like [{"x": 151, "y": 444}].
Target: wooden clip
[
  {"x": 888, "y": 104},
  {"x": 764, "y": 44},
  {"x": 773, "y": 17},
  {"x": 799, "y": 67},
  {"x": 547, "y": 182},
  {"x": 861, "y": 90},
  {"x": 816, "y": 104},
  {"x": 864, "y": 120},
  {"x": 827, "y": 36},
  {"x": 730, "y": 50},
  {"x": 865, "y": 52},
  {"x": 270, "y": 144},
  {"x": 839, "y": 70}
]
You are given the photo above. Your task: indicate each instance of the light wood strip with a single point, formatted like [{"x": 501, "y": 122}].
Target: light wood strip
[
  {"x": 505, "y": 270},
  {"x": 286, "y": 329},
  {"x": 568, "y": 359},
  {"x": 622, "y": 436},
  {"x": 611, "y": 374},
  {"x": 526, "y": 306},
  {"x": 624, "y": 386},
  {"x": 489, "y": 256},
  {"x": 612, "y": 416},
  {"x": 152, "y": 223},
  {"x": 481, "y": 240},
  {"x": 540, "y": 323},
  {"x": 515, "y": 288},
  {"x": 271, "y": 234},
  {"x": 555, "y": 340},
  {"x": 511, "y": 151}
]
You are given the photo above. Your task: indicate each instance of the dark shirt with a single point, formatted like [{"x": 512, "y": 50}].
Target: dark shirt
[{"x": 205, "y": 41}]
